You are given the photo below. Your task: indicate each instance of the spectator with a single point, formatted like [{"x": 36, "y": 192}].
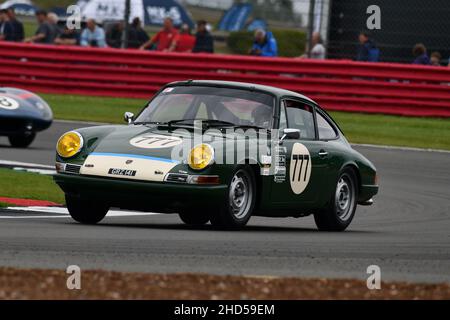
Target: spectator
[
  {"x": 203, "y": 40},
  {"x": 68, "y": 37},
  {"x": 318, "y": 49},
  {"x": 52, "y": 19},
  {"x": 435, "y": 59},
  {"x": 93, "y": 35},
  {"x": 265, "y": 45},
  {"x": 137, "y": 35},
  {"x": 367, "y": 50},
  {"x": 163, "y": 38},
  {"x": 45, "y": 32},
  {"x": 114, "y": 37},
  {"x": 184, "y": 41},
  {"x": 6, "y": 27},
  {"x": 19, "y": 33},
  {"x": 420, "y": 54}
]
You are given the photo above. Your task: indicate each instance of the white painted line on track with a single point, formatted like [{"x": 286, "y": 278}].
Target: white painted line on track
[
  {"x": 60, "y": 212},
  {"x": 83, "y": 122},
  {"x": 34, "y": 217},
  {"x": 25, "y": 164},
  {"x": 40, "y": 171},
  {"x": 376, "y": 146}
]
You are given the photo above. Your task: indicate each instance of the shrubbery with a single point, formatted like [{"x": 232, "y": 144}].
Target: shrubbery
[{"x": 291, "y": 43}]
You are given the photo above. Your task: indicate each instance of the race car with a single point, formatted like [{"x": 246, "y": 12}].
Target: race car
[
  {"x": 217, "y": 152},
  {"x": 22, "y": 114}
]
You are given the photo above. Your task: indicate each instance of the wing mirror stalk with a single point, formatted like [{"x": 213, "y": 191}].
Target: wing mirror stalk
[{"x": 290, "y": 134}]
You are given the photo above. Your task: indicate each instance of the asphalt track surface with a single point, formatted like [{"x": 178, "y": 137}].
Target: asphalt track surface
[{"x": 406, "y": 232}]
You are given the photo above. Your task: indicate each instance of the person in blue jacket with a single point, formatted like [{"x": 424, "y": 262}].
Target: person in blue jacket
[
  {"x": 265, "y": 45},
  {"x": 367, "y": 49}
]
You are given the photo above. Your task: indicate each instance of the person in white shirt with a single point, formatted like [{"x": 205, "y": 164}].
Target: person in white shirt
[{"x": 318, "y": 49}]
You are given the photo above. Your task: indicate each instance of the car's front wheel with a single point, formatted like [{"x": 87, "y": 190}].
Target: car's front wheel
[
  {"x": 240, "y": 201},
  {"x": 85, "y": 211},
  {"x": 21, "y": 140},
  {"x": 341, "y": 208}
]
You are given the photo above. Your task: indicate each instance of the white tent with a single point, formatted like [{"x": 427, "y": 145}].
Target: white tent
[{"x": 151, "y": 12}]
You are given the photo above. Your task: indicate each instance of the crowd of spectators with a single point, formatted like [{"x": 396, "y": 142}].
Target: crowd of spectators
[
  {"x": 368, "y": 51},
  {"x": 171, "y": 39},
  {"x": 168, "y": 39}
]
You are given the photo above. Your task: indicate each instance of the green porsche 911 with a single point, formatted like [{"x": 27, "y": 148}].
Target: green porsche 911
[{"x": 218, "y": 152}]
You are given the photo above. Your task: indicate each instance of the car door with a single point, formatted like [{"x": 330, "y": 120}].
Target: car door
[
  {"x": 306, "y": 160},
  {"x": 331, "y": 148}
]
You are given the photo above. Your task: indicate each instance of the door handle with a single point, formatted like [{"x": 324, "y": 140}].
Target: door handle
[{"x": 323, "y": 153}]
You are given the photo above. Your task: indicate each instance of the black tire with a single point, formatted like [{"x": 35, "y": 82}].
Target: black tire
[
  {"x": 22, "y": 140},
  {"x": 85, "y": 211},
  {"x": 231, "y": 216},
  {"x": 340, "y": 211},
  {"x": 194, "y": 218}
]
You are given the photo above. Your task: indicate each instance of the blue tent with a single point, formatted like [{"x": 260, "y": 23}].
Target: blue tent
[{"x": 235, "y": 18}]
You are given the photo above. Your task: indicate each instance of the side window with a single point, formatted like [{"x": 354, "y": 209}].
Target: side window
[
  {"x": 283, "y": 120},
  {"x": 326, "y": 131},
  {"x": 300, "y": 116}
]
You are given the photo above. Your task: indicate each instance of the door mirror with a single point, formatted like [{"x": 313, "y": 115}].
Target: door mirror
[
  {"x": 128, "y": 117},
  {"x": 290, "y": 134}
]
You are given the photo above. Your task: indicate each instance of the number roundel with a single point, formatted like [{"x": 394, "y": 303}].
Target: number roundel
[
  {"x": 300, "y": 168},
  {"x": 8, "y": 103},
  {"x": 154, "y": 141}
]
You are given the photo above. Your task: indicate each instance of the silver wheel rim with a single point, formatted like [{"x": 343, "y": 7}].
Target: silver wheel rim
[
  {"x": 344, "y": 198},
  {"x": 240, "y": 195}
]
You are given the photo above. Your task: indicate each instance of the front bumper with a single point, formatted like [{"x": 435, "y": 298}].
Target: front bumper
[
  {"x": 142, "y": 195},
  {"x": 366, "y": 193}
]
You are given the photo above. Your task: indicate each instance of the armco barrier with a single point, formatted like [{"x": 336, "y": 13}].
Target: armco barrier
[{"x": 336, "y": 85}]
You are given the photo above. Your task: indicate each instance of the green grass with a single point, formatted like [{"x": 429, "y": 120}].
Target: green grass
[
  {"x": 24, "y": 185},
  {"x": 95, "y": 109},
  {"x": 429, "y": 133}
]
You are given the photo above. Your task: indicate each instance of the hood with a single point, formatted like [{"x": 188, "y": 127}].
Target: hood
[
  {"x": 141, "y": 152},
  {"x": 151, "y": 141},
  {"x": 23, "y": 104}
]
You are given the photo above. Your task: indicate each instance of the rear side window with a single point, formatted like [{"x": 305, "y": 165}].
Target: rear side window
[{"x": 326, "y": 130}]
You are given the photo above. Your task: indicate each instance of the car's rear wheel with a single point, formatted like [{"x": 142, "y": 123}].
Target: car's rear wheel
[
  {"x": 21, "y": 140},
  {"x": 194, "y": 218},
  {"x": 341, "y": 209},
  {"x": 85, "y": 211},
  {"x": 240, "y": 201}
]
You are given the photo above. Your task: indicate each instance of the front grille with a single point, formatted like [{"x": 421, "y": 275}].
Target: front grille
[
  {"x": 72, "y": 168},
  {"x": 177, "y": 177}
]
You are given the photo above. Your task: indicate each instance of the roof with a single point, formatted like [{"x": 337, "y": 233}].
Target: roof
[{"x": 242, "y": 85}]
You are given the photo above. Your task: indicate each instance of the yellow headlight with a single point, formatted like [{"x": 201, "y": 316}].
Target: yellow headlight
[
  {"x": 201, "y": 156},
  {"x": 69, "y": 144}
]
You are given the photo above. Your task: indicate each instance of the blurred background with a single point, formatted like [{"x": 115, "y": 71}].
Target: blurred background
[{"x": 404, "y": 23}]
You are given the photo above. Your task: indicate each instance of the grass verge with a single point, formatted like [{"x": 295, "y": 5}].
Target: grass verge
[
  {"x": 97, "y": 109},
  {"x": 25, "y": 185},
  {"x": 427, "y": 133}
]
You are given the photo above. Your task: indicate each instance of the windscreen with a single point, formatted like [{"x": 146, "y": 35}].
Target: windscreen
[{"x": 234, "y": 106}]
